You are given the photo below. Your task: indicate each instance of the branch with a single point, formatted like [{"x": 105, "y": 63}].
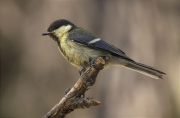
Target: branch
[{"x": 74, "y": 99}]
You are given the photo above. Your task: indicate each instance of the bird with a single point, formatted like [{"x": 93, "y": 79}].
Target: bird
[{"x": 79, "y": 47}]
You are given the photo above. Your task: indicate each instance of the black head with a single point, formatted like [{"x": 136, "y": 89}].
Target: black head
[
  {"x": 58, "y": 23},
  {"x": 55, "y": 25}
]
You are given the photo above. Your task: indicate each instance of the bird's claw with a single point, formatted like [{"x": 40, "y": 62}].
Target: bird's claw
[
  {"x": 92, "y": 62},
  {"x": 81, "y": 70},
  {"x": 105, "y": 58}
]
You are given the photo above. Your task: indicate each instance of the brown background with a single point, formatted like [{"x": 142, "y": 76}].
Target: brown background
[{"x": 34, "y": 75}]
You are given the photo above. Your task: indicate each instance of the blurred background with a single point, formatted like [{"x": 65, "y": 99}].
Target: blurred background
[{"x": 34, "y": 75}]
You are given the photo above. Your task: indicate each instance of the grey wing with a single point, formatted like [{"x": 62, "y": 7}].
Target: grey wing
[
  {"x": 89, "y": 40},
  {"x": 110, "y": 48}
]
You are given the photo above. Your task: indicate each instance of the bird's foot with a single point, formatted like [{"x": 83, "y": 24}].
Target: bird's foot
[
  {"x": 81, "y": 70},
  {"x": 92, "y": 64},
  {"x": 105, "y": 58}
]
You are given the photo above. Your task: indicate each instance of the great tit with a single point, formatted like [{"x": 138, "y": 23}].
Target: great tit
[{"x": 79, "y": 47}]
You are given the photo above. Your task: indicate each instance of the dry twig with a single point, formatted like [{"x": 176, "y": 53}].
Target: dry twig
[{"x": 74, "y": 98}]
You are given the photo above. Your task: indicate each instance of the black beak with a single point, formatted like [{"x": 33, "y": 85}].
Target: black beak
[{"x": 45, "y": 33}]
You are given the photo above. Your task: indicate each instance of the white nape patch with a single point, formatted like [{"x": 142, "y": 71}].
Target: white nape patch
[{"x": 94, "y": 41}]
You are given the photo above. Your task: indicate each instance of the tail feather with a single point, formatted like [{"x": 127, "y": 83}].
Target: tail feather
[{"x": 146, "y": 70}]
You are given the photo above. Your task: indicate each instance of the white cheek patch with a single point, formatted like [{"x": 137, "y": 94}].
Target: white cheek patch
[
  {"x": 67, "y": 28},
  {"x": 63, "y": 29},
  {"x": 94, "y": 41}
]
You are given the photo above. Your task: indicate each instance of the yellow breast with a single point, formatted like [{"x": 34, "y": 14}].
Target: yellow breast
[{"x": 77, "y": 54}]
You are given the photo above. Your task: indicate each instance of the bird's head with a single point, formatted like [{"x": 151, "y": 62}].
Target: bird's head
[{"x": 58, "y": 28}]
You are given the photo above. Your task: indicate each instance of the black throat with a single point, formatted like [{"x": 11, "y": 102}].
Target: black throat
[{"x": 55, "y": 38}]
